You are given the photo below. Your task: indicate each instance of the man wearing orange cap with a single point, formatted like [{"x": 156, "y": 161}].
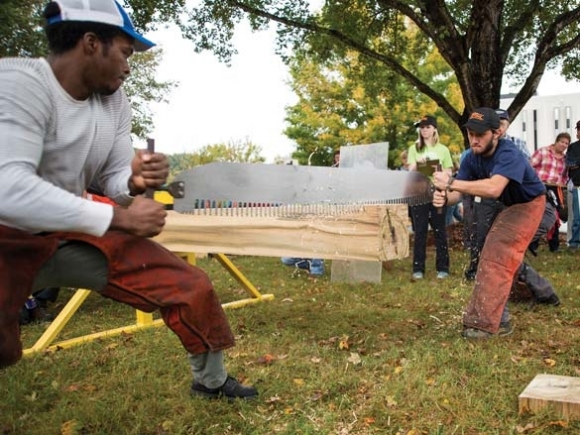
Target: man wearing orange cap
[{"x": 495, "y": 169}]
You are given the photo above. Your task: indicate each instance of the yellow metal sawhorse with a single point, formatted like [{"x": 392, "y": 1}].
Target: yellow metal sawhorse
[{"x": 144, "y": 320}]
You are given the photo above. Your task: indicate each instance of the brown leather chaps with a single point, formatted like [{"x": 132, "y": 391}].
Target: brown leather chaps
[
  {"x": 503, "y": 252},
  {"x": 142, "y": 274}
]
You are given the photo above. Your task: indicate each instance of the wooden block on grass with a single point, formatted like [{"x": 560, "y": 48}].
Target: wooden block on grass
[{"x": 561, "y": 394}]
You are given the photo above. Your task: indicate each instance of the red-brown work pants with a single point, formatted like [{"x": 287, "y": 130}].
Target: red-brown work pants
[
  {"x": 503, "y": 252},
  {"x": 142, "y": 274}
]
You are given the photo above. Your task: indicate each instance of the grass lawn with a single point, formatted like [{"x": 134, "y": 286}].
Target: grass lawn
[{"x": 328, "y": 358}]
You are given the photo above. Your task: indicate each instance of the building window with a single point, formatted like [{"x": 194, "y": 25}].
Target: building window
[
  {"x": 557, "y": 118},
  {"x": 568, "y": 118}
]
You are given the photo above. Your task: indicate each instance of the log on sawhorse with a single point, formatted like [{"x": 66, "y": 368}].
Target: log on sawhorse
[
  {"x": 371, "y": 233},
  {"x": 143, "y": 320},
  {"x": 367, "y": 233}
]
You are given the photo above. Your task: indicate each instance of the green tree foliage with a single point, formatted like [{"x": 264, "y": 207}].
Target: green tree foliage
[
  {"x": 21, "y": 28},
  {"x": 143, "y": 88},
  {"x": 356, "y": 100},
  {"x": 482, "y": 41},
  {"x": 21, "y": 34},
  {"x": 21, "y": 22},
  {"x": 233, "y": 151}
]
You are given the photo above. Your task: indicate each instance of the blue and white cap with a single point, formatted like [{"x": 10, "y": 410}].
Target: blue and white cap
[{"x": 100, "y": 11}]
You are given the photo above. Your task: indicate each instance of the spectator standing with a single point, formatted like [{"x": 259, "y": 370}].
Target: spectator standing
[
  {"x": 314, "y": 266},
  {"x": 49, "y": 153},
  {"x": 550, "y": 164},
  {"x": 336, "y": 159},
  {"x": 494, "y": 169},
  {"x": 573, "y": 166},
  {"x": 404, "y": 161},
  {"x": 428, "y": 150},
  {"x": 504, "y": 125}
]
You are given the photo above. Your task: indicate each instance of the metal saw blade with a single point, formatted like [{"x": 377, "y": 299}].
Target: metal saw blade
[{"x": 266, "y": 184}]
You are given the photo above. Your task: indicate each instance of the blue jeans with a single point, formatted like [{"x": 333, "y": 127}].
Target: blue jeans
[
  {"x": 293, "y": 261},
  {"x": 315, "y": 266},
  {"x": 574, "y": 241}
]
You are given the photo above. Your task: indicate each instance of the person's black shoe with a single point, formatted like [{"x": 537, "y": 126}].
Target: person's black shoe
[
  {"x": 470, "y": 275},
  {"x": 231, "y": 390},
  {"x": 553, "y": 300}
]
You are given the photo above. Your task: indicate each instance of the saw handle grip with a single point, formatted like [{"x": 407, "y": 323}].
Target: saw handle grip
[{"x": 149, "y": 192}]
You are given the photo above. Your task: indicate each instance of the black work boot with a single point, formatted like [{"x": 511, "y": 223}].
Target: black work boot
[
  {"x": 553, "y": 300},
  {"x": 231, "y": 390}
]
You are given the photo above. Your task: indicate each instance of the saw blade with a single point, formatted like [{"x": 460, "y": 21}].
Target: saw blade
[{"x": 223, "y": 184}]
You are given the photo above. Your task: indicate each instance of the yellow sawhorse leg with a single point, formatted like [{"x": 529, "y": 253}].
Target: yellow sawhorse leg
[
  {"x": 256, "y": 296},
  {"x": 143, "y": 320}
]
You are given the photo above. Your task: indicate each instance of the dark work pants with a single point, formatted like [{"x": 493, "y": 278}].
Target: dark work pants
[
  {"x": 485, "y": 210},
  {"x": 468, "y": 221},
  {"x": 422, "y": 215}
]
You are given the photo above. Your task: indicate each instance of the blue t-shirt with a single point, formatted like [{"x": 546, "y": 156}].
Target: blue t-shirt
[{"x": 523, "y": 186}]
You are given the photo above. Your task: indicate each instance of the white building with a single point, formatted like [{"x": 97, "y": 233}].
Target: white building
[{"x": 543, "y": 118}]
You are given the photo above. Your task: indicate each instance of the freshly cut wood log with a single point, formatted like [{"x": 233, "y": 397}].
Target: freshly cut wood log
[
  {"x": 371, "y": 233},
  {"x": 561, "y": 394}
]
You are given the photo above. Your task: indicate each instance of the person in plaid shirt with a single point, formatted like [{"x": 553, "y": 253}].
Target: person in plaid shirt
[
  {"x": 550, "y": 161},
  {"x": 550, "y": 164}
]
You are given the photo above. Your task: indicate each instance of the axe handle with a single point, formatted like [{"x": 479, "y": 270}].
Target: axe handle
[{"x": 439, "y": 169}]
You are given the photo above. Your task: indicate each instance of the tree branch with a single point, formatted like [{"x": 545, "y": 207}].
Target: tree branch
[{"x": 361, "y": 48}]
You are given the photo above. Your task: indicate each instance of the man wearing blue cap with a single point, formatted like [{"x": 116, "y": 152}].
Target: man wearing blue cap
[
  {"x": 495, "y": 169},
  {"x": 64, "y": 123},
  {"x": 504, "y": 125}
]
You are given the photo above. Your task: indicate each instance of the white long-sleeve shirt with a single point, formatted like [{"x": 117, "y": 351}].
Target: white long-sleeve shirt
[{"x": 51, "y": 148}]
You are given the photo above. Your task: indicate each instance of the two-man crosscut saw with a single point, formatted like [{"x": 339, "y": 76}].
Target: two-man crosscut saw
[{"x": 225, "y": 185}]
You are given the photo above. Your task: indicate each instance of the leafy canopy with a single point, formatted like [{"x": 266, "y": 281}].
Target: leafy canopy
[
  {"x": 22, "y": 34},
  {"x": 351, "y": 99},
  {"x": 233, "y": 151},
  {"x": 484, "y": 42}
]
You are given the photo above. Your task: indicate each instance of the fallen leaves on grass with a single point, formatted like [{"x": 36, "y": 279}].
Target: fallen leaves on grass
[
  {"x": 273, "y": 399},
  {"x": 354, "y": 359},
  {"x": 71, "y": 427},
  {"x": 530, "y": 427},
  {"x": 266, "y": 360},
  {"x": 391, "y": 402},
  {"x": 369, "y": 421},
  {"x": 343, "y": 343},
  {"x": 165, "y": 428}
]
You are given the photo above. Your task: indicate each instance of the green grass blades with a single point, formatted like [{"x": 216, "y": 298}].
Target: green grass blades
[{"x": 328, "y": 358}]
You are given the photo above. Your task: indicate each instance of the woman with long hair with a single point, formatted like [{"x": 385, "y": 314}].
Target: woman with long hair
[{"x": 427, "y": 151}]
